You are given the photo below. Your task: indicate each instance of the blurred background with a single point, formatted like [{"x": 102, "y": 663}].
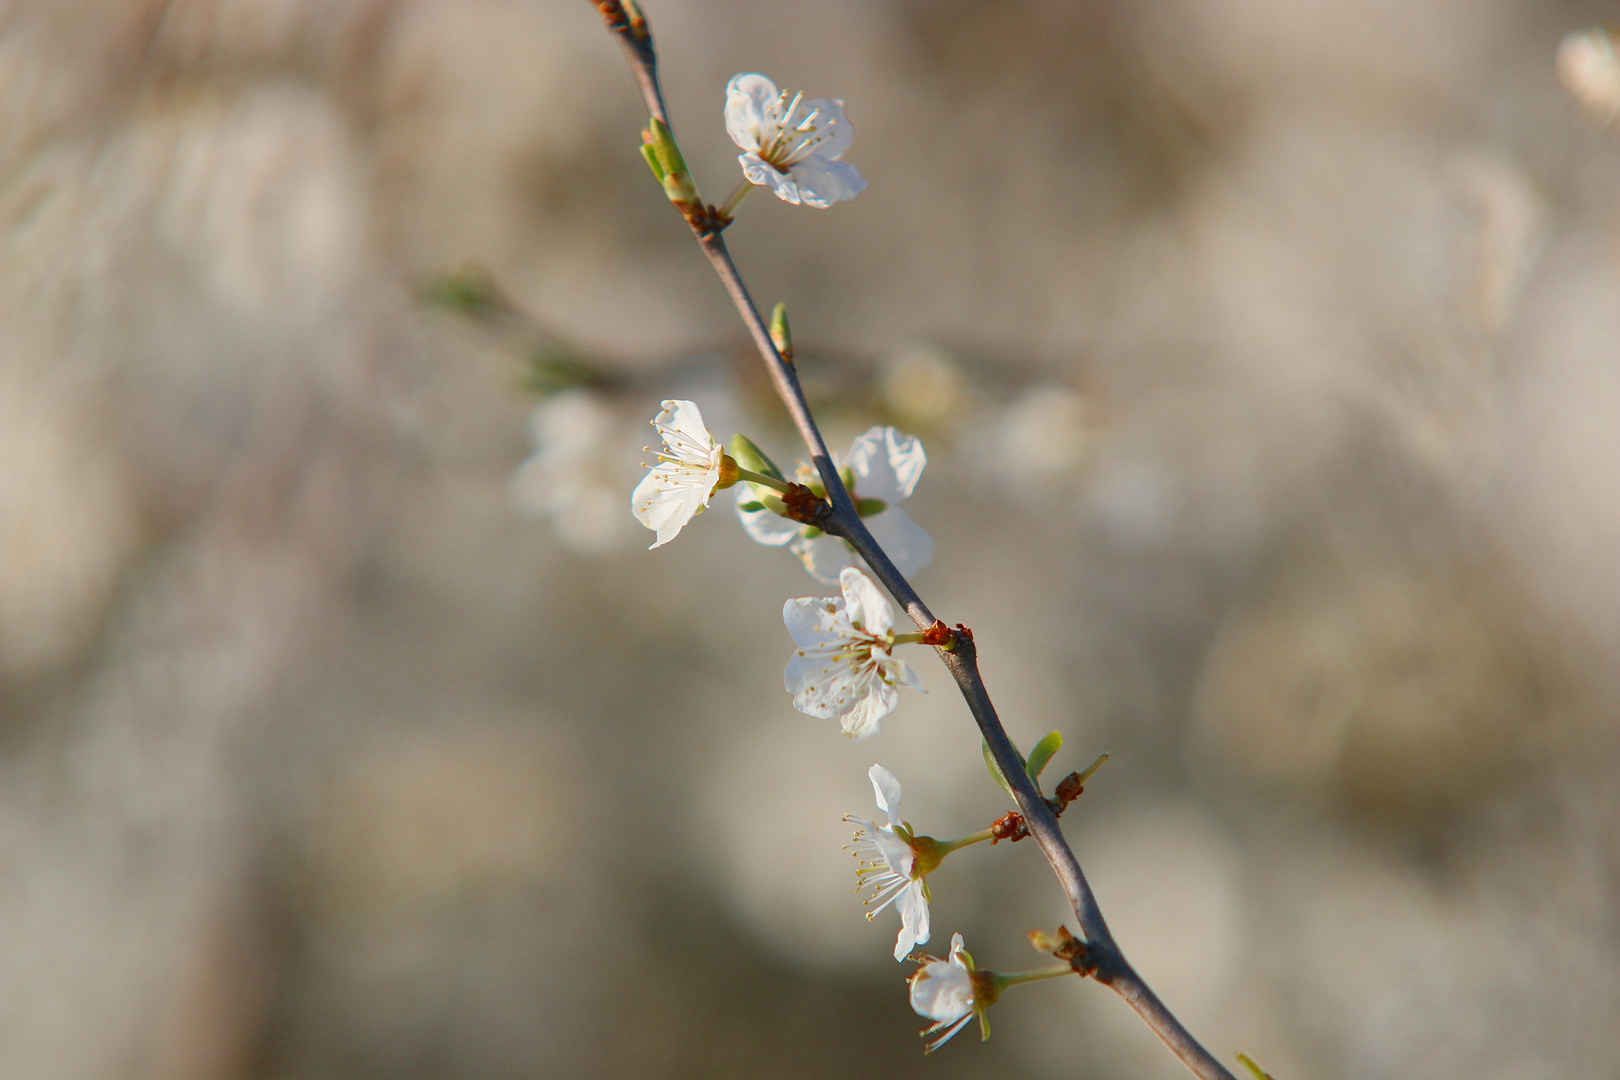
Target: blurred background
[{"x": 1265, "y": 355}]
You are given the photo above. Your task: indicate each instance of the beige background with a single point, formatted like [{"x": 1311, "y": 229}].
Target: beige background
[{"x": 1265, "y": 353}]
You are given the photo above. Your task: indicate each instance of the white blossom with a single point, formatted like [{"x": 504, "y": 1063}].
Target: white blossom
[
  {"x": 882, "y": 468},
  {"x": 886, "y": 863},
  {"x": 791, "y": 147},
  {"x": 678, "y": 487},
  {"x": 843, "y": 666},
  {"x": 574, "y": 476},
  {"x": 943, "y": 991}
]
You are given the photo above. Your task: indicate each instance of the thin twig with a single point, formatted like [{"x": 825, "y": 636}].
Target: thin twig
[{"x": 961, "y": 658}]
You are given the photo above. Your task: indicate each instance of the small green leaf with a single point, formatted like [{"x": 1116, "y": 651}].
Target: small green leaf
[
  {"x": 651, "y": 155},
  {"x": 811, "y": 532},
  {"x": 1042, "y": 753},
  {"x": 669, "y": 154},
  {"x": 753, "y": 458},
  {"x": 995, "y": 770},
  {"x": 868, "y": 507},
  {"x": 750, "y": 506}
]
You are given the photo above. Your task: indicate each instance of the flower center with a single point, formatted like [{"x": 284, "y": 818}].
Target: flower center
[{"x": 791, "y": 143}]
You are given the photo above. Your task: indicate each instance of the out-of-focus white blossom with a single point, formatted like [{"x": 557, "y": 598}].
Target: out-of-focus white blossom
[
  {"x": 923, "y": 386},
  {"x": 944, "y": 991},
  {"x": 1045, "y": 432},
  {"x": 881, "y": 471},
  {"x": 791, "y": 147},
  {"x": 575, "y": 476},
  {"x": 1589, "y": 66},
  {"x": 843, "y": 667},
  {"x": 887, "y": 865},
  {"x": 678, "y": 488}
]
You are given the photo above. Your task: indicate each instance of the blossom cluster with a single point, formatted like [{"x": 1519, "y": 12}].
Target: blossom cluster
[{"x": 844, "y": 665}]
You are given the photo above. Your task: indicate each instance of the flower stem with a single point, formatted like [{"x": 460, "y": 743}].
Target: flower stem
[
  {"x": 761, "y": 479},
  {"x": 945, "y": 847},
  {"x": 735, "y": 199},
  {"x": 910, "y": 639},
  {"x": 1056, "y": 971}
]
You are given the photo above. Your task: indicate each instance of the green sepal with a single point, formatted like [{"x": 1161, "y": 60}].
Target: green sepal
[
  {"x": 810, "y": 531},
  {"x": 847, "y": 475},
  {"x": 753, "y": 458},
  {"x": 995, "y": 770},
  {"x": 868, "y": 507},
  {"x": 750, "y": 506},
  {"x": 1042, "y": 753}
]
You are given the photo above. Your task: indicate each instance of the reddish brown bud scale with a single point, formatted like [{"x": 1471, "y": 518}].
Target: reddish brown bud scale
[
  {"x": 1010, "y": 827},
  {"x": 1069, "y": 949},
  {"x": 939, "y": 635},
  {"x": 613, "y": 14},
  {"x": 804, "y": 506},
  {"x": 1068, "y": 790},
  {"x": 706, "y": 220}
]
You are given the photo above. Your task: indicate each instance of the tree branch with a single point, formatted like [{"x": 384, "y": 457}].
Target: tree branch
[{"x": 961, "y": 660}]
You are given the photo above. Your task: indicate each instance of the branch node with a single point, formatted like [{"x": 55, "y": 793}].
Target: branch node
[
  {"x": 1066, "y": 947},
  {"x": 706, "y": 219},
  {"x": 804, "y": 506},
  {"x": 1010, "y": 827}
]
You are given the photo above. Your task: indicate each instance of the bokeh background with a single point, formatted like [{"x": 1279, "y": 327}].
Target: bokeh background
[{"x": 1266, "y": 358}]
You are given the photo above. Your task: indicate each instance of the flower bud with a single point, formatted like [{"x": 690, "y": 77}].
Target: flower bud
[{"x": 781, "y": 333}]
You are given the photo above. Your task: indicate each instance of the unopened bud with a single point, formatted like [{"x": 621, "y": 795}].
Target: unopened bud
[
  {"x": 677, "y": 181},
  {"x": 781, "y": 333}
]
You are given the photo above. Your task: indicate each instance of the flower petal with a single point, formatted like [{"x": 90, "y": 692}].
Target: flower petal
[
  {"x": 761, "y": 172},
  {"x": 763, "y": 526},
  {"x": 824, "y": 556},
  {"x": 822, "y": 181},
  {"x": 665, "y": 502},
  {"x": 865, "y": 718},
  {"x": 886, "y": 464},
  {"x": 864, "y": 602},
  {"x": 831, "y": 128},
  {"x": 886, "y": 786},
  {"x": 913, "y": 906},
  {"x": 908, "y": 544},
  {"x": 942, "y": 991},
  {"x": 680, "y": 424},
  {"x": 897, "y": 672},
  {"x": 805, "y": 618},
  {"x": 749, "y": 119},
  {"x": 897, "y": 854}
]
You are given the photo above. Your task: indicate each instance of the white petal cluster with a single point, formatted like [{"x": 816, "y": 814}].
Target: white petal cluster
[
  {"x": 885, "y": 467},
  {"x": 885, "y": 862},
  {"x": 943, "y": 991},
  {"x": 678, "y": 487},
  {"x": 791, "y": 147},
  {"x": 843, "y": 667}
]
